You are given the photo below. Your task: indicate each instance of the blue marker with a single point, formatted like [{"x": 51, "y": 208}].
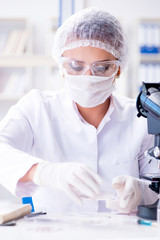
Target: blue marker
[{"x": 146, "y": 222}]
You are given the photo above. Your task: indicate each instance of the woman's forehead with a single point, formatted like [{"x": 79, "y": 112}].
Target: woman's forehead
[{"x": 88, "y": 54}]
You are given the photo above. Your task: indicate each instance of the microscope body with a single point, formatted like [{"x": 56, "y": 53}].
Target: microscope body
[{"x": 148, "y": 106}]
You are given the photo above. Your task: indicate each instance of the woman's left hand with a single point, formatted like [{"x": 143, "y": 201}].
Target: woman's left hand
[{"x": 128, "y": 194}]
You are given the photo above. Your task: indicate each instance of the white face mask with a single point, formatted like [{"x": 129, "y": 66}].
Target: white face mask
[{"x": 89, "y": 91}]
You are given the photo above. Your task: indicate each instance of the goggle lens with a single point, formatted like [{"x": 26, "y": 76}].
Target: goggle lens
[{"x": 102, "y": 68}]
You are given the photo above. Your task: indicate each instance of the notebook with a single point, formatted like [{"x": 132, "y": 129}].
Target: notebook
[{"x": 9, "y": 211}]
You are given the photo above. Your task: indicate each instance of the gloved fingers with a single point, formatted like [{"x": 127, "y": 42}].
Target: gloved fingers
[
  {"x": 118, "y": 182},
  {"x": 72, "y": 194},
  {"x": 125, "y": 200},
  {"x": 129, "y": 192},
  {"x": 88, "y": 180},
  {"x": 129, "y": 196},
  {"x": 114, "y": 204},
  {"x": 122, "y": 184},
  {"x": 82, "y": 187},
  {"x": 130, "y": 204},
  {"x": 132, "y": 194},
  {"x": 119, "y": 205},
  {"x": 129, "y": 185},
  {"x": 94, "y": 175}
]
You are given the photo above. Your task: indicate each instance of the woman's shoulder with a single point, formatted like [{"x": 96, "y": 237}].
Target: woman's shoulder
[
  {"x": 125, "y": 106},
  {"x": 124, "y": 102},
  {"x": 36, "y": 96},
  {"x": 37, "y": 101}
]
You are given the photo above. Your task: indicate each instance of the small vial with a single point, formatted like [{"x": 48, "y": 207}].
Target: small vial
[{"x": 158, "y": 210}]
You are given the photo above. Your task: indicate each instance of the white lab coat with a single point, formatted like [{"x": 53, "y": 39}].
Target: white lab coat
[{"x": 48, "y": 126}]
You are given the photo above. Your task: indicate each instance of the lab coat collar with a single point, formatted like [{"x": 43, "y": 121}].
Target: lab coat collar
[
  {"x": 76, "y": 118},
  {"x": 71, "y": 111},
  {"x": 107, "y": 116}
]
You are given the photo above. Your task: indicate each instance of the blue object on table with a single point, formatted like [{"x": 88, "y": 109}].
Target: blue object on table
[
  {"x": 147, "y": 222},
  {"x": 28, "y": 200}
]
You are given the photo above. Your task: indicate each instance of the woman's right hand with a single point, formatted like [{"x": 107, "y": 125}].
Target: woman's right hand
[{"x": 75, "y": 179}]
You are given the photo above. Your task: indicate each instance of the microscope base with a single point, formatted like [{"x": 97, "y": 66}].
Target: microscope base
[{"x": 148, "y": 211}]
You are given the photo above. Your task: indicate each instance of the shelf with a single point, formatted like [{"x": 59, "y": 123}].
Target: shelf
[
  {"x": 150, "y": 58},
  {"x": 150, "y": 20},
  {"x": 13, "y": 19},
  {"x": 27, "y": 61}
]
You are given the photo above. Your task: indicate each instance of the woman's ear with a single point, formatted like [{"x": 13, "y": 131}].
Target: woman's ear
[{"x": 118, "y": 73}]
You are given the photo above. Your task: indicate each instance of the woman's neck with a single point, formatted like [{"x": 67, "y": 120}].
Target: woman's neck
[{"x": 94, "y": 115}]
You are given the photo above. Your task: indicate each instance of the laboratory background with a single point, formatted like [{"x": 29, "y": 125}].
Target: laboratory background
[{"x": 27, "y": 29}]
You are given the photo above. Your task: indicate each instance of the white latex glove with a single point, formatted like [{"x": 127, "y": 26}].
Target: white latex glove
[
  {"x": 75, "y": 179},
  {"x": 128, "y": 194}
]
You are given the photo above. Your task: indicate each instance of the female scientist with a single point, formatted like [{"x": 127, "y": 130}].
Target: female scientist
[{"x": 64, "y": 148}]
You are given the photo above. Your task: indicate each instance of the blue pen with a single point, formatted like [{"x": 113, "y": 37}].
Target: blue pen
[{"x": 146, "y": 222}]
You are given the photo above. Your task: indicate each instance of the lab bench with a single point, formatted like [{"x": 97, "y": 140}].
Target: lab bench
[{"x": 80, "y": 226}]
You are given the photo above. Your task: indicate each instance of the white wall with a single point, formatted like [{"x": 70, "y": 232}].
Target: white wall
[
  {"x": 129, "y": 10},
  {"x": 39, "y": 12}
]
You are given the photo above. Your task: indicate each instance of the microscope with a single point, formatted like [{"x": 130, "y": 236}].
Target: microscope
[{"x": 148, "y": 106}]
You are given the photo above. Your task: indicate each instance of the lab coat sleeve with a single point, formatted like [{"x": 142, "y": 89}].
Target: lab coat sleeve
[
  {"x": 147, "y": 165},
  {"x": 16, "y": 139}
]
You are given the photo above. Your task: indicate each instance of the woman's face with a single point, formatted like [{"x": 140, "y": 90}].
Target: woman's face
[{"x": 89, "y": 55}]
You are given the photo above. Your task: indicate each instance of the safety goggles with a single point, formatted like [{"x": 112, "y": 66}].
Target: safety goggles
[{"x": 102, "y": 68}]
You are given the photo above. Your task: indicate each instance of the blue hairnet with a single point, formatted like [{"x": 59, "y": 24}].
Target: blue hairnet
[{"x": 92, "y": 27}]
